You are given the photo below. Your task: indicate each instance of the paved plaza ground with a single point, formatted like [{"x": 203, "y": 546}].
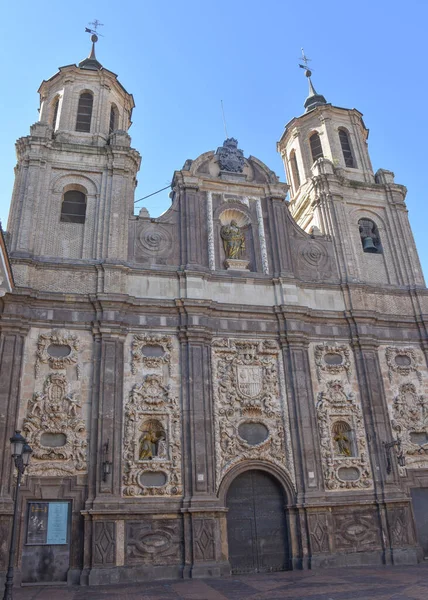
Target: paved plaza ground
[{"x": 380, "y": 583}]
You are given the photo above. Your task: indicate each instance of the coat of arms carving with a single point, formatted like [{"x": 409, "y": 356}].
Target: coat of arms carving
[
  {"x": 251, "y": 419},
  {"x": 230, "y": 157}
]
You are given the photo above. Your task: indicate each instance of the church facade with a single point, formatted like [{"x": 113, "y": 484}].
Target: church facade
[{"x": 239, "y": 385}]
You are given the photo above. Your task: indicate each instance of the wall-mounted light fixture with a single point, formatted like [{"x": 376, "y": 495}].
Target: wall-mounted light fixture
[
  {"x": 401, "y": 459},
  {"x": 106, "y": 462}
]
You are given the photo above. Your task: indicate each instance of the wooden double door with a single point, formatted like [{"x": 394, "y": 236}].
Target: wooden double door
[{"x": 256, "y": 524}]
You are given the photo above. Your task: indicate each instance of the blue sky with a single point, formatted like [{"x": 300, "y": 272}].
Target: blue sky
[{"x": 179, "y": 59}]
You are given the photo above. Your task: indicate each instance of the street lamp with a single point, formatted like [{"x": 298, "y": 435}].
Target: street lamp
[{"x": 21, "y": 453}]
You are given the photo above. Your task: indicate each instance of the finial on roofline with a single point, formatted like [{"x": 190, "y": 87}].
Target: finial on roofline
[
  {"x": 314, "y": 99},
  {"x": 91, "y": 62}
]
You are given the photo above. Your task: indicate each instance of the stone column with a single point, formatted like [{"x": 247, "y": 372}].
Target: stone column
[
  {"x": 107, "y": 425},
  {"x": 378, "y": 428},
  {"x": 280, "y": 243},
  {"x": 303, "y": 427},
  {"x": 12, "y": 338},
  {"x": 203, "y": 521},
  {"x": 11, "y": 358}
]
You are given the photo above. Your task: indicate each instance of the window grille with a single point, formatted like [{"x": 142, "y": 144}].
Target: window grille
[
  {"x": 73, "y": 209},
  {"x": 84, "y": 112}
]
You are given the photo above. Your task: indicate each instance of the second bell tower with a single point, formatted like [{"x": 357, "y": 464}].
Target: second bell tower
[{"x": 334, "y": 191}]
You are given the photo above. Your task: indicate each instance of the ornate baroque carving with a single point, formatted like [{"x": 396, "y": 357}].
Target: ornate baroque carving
[
  {"x": 58, "y": 349},
  {"x": 403, "y": 362},
  {"x": 152, "y": 450},
  {"x": 248, "y": 390},
  {"x": 342, "y": 438},
  {"x": 409, "y": 419},
  {"x": 161, "y": 342},
  {"x": 332, "y": 368},
  {"x": 55, "y": 431}
]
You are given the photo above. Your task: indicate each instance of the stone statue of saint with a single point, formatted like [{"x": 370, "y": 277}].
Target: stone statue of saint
[
  {"x": 233, "y": 240},
  {"x": 343, "y": 444},
  {"x": 148, "y": 445}
]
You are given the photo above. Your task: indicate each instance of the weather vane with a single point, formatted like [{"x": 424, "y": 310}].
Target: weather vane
[
  {"x": 305, "y": 59},
  {"x": 95, "y": 24}
]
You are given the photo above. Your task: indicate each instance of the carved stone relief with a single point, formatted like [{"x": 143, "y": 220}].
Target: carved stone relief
[
  {"x": 55, "y": 430},
  {"x": 150, "y": 350},
  {"x": 154, "y": 240},
  {"x": 408, "y": 407},
  {"x": 313, "y": 259},
  {"x": 332, "y": 360},
  {"x": 318, "y": 530},
  {"x": 58, "y": 349},
  {"x": 154, "y": 542},
  {"x": 152, "y": 435},
  {"x": 341, "y": 427},
  {"x": 104, "y": 542},
  {"x": 249, "y": 399},
  {"x": 403, "y": 362},
  {"x": 342, "y": 439},
  {"x": 356, "y": 531},
  {"x": 204, "y": 536}
]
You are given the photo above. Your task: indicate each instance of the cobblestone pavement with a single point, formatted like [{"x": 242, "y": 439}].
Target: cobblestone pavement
[{"x": 380, "y": 583}]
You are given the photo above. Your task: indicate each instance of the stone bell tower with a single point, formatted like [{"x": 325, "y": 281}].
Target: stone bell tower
[
  {"x": 335, "y": 192},
  {"x": 76, "y": 172}
]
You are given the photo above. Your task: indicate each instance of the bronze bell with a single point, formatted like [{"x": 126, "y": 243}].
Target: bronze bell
[{"x": 368, "y": 245}]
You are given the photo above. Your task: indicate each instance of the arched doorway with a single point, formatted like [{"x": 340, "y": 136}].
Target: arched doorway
[{"x": 256, "y": 524}]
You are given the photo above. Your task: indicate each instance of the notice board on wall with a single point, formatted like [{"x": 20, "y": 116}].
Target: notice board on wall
[{"x": 48, "y": 523}]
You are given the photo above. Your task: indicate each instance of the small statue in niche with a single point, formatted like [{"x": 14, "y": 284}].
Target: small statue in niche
[
  {"x": 343, "y": 444},
  {"x": 342, "y": 436},
  {"x": 152, "y": 442},
  {"x": 233, "y": 240}
]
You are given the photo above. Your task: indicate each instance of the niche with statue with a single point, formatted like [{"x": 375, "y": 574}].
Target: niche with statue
[
  {"x": 236, "y": 240},
  {"x": 152, "y": 443}
]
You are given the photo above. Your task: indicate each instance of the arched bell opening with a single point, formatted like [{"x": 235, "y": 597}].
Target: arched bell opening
[{"x": 261, "y": 528}]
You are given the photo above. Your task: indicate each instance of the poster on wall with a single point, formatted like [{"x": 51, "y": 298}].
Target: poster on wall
[{"x": 47, "y": 523}]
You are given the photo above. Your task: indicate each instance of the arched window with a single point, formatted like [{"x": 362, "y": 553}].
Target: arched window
[
  {"x": 316, "y": 147},
  {"x": 55, "y": 112},
  {"x": 84, "y": 112},
  {"x": 294, "y": 170},
  {"x": 343, "y": 439},
  {"x": 346, "y": 149},
  {"x": 114, "y": 114},
  {"x": 73, "y": 209},
  {"x": 370, "y": 238}
]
